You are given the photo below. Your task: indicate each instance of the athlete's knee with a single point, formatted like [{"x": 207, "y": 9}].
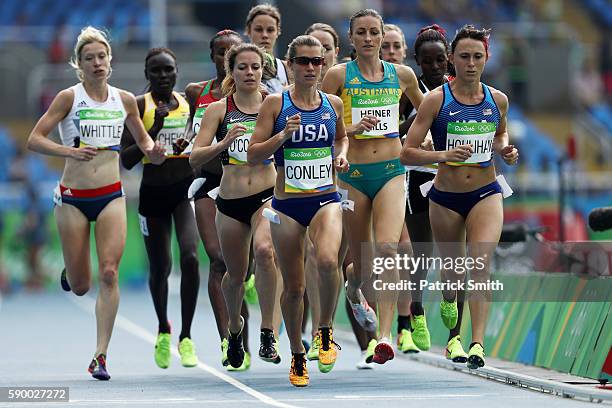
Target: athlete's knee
[
  {"x": 263, "y": 253},
  {"x": 294, "y": 292},
  {"x": 386, "y": 250},
  {"x": 327, "y": 263},
  {"x": 189, "y": 259},
  {"x": 109, "y": 274}
]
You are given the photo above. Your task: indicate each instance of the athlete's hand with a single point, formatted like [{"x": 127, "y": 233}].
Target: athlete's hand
[
  {"x": 157, "y": 154},
  {"x": 341, "y": 164},
  {"x": 293, "y": 124},
  {"x": 428, "y": 143},
  {"x": 85, "y": 153},
  {"x": 510, "y": 154},
  {"x": 459, "y": 154},
  {"x": 235, "y": 132},
  {"x": 367, "y": 123},
  {"x": 179, "y": 146},
  {"x": 161, "y": 112}
]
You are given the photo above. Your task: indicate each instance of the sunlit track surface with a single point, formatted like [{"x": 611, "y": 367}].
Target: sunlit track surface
[{"x": 48, "y": 340}]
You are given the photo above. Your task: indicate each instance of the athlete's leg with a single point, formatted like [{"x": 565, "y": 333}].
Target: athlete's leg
[
  {"x": 187, "y": 236},
  {"x": 419, "y": 229},
  {"x": 312, "y": 287},
  {"x": 205, "y": 216},
  {"x": 157, "y": 244},
  {"x": 235, "y": 239},
  {"x": 388, "y": 209},
  {"x": 110, "y": 233},
  {"x": 483, "y": 229},
  {"x": 358, "y": 224},
  {"x": 326, "y": 234},
  {"x": 288, "y": 238},
  {"x": 266, "y": 271},
  {"x": 73, "y": 228},
  {"x": 403, "y": 301}
]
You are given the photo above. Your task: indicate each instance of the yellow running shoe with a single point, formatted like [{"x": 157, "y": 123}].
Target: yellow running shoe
[
  {"x": 298, "y": 374},
  {"x": 328, "y": 352},
  {"x": 162, "y": 350},
  {"x": 449, "y": 312},
  {"x": 405, "y": 344},
  {"x": 224, "y": 346},
  {"x": 420, "y": 332},
  {"x": 454, "y": 350},
  {"x": 476, "y": 356},
  {"x": 313, "y": 351},
  {"x": 187, "y": 353},
  {"x": 370, "y": 351}
]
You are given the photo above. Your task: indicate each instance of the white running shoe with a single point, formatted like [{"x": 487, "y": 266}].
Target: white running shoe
[
  {"x": 364, "y": 314},
  {"x": 362, "y": 364}
]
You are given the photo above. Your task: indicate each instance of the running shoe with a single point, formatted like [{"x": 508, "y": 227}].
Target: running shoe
[
  {"x": 405, "y": 343},
  {"x": 235, "y": 350},
  {"x": 449, "y": 313},
  {"x": 64, "y": 281},
  {"x": 97, "y": 368},
  {"x": 454, "y": 350},
  {"x": 363, "y": 364},
  {"x": 476, "y": 356},
  {"x": 250, "y": 292},
  {"x": 364, "y": 314},
  {"x": 268, "y": 350},
  {"x": 187, "y": 351},
  {"x": 420, "y": 332},
  {"x": 298, "y": 374},
  {"x": 383, "y": 351},
  {"x": 328, "y": 351},
  {"x": 224, "y": 360},
  {"x": 162, "y": 350},
  {"x": 370, "y": 351},
  {"x": 313, "y": 351},
  {"x": 246, "y": 363}
]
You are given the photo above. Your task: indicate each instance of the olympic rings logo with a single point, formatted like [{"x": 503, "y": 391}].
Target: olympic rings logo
[{"x": 320, "y": 153}]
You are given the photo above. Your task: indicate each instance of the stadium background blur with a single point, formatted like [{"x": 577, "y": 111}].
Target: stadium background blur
[{"x": 551, "y": 57}]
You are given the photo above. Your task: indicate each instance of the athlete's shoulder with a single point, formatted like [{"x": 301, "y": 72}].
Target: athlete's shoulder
[
  {"x": 193, "y": 89},
  {"x": 126, "y": 96},
  {"x": 500, "y": 98},
  {"x": 433, "y": 100},
  {"x": 335, "y": 100},
  {"x": 406, "y": 74},
  {"x": 64, "y": 100},
  {"x": 337, "y": 71}
]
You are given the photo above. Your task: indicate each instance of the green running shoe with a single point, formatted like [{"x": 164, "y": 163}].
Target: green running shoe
[
  {"x": 246, "y": 364},
  {"x": 224, "y": 346},
  {"x": 476, "y": 357},
  {"x": 454, "y": 350},
  {"x": 162, "y": 350},
  {"x": 187, "y": 351},
  {"x": 420, "y": 332},
  {"x": 313, "y": 351},
  {"x": 405, "y": 343},
  {"x": 370, "y": 351},
  {"x": 449, "y": 313},
  {"x": 250, "y": 293}
]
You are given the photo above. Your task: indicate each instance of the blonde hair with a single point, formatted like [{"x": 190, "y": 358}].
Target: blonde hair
[
  {"x": 89, "y": 35},
  {"x": 393, "y": 27},
  {"x": 228, "y": 86}
]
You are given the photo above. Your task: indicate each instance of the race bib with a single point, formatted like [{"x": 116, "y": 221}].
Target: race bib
[
  {"x": 195, "y": 125},
  {"x": 384, "y": 107},
  {"x": 238, "y": 149},
  {"x": 478, "y": 134},
  {"x": 100, "y": 127},
  {"x": 308, "y": 170},
  {"x": 174, "y": 129}
]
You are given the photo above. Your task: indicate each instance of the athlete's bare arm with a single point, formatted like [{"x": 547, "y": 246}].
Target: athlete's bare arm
[
  {"x": 203, "y": 149},
  {"x": 263, "y": 143}
]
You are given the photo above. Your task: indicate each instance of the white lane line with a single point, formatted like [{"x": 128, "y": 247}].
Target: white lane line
[
  {"x": 405, "y": 397},
  {"x": 87, "y": 304}
]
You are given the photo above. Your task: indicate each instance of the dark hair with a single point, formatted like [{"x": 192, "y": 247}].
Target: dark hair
[
  {"x": 266, "y": 10},
  {"x": 431, "y": 33},
  {"x": 222, "y": 33},
  {"x": 469, "y": 31},
  {"x": 228, "y": 86},
  {"x": 324, "y": 27},
  {"x": 365, "y": 13},
  {"x": 299, "y": 41},
  {"x": 159, "y": 50}
]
